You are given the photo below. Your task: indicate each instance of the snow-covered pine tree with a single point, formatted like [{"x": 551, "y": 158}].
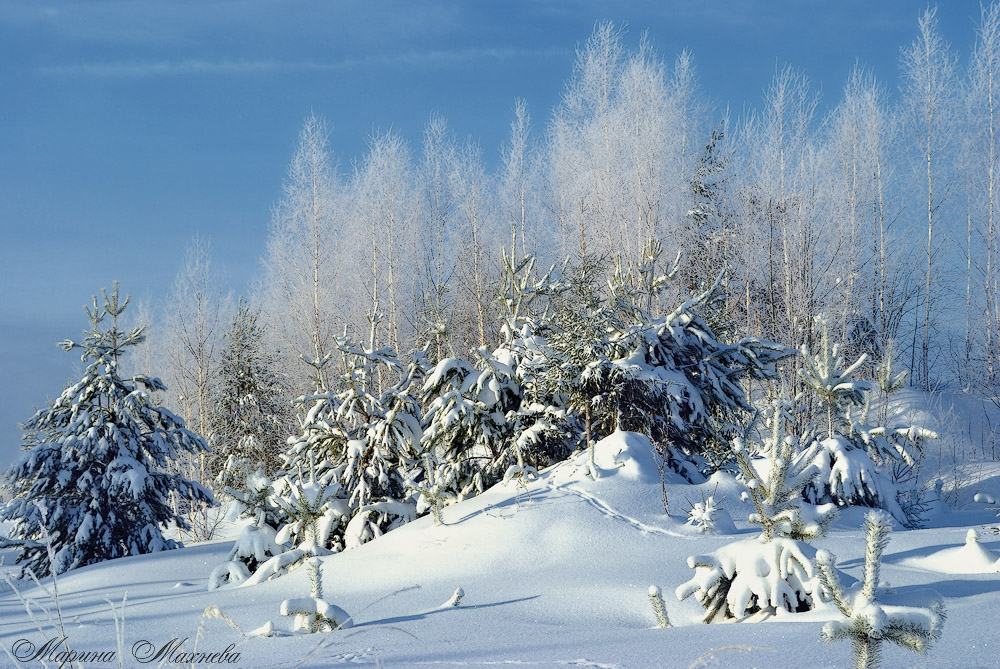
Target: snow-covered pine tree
[
  {"x": 777, "y": 495},
  {"x": 579, "y": 349},
  {"x": 677, "y": 382},
  {"x": 361, "y": 439},
  {"x": 381, "y": 462},
  {"x": 870, "y": 622},
  {"x": 93, "y": 480},
  {"x": 757, "y": 577},
  {"x": 454, "y": 423},
  {"x": 486, "y": 421},
  {"x": 849, "y": 459},
  {"x": 249, "y": 415}
]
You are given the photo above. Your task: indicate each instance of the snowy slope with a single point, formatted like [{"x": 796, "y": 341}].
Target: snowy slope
[{"x": 555, "y": 573}]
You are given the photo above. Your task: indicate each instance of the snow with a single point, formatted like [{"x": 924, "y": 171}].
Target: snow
[
  {"x": 628, "y": 455},
  {"x": 970, "y": 558},
  {"x": 554, "y": 572}
]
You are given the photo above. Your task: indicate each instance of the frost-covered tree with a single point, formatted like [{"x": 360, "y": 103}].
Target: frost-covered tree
[
  {"x": 870, "y": 622},
  {"x": 386, "y": 203},
  {"x": 619, "y": 148},
  {"x": 195, "y": 314},
  {"x": 250, "y": 414},
  {"x": 306, "y": 292},
  {"x": 930, "y": 98},
  {"x": 982, "y": 289},
  {"x": 93, "y": 482}
]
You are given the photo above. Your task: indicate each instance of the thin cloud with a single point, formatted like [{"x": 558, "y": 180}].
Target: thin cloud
[{"x": 433, "y": 59}]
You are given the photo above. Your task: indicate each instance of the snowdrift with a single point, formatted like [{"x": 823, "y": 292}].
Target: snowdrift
[{"x": 554, "y": 572}]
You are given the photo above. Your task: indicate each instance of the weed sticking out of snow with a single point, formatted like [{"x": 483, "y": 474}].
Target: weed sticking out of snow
[{"x": 455, "y": 599}]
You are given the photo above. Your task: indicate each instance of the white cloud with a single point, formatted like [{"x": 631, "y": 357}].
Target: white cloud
[{"x": 432, "y": 59}]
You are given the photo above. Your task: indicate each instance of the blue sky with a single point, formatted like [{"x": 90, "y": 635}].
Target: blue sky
[{"x": 127, "y": 127}]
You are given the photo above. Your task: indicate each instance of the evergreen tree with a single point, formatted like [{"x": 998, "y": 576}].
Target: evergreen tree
[
  {"x": 777, "y": 496},
  {"x": 93, "y": 482},
  {"x": 360, "y": 441},
  {"x": 851, "y": 458},
  {"x": 249, "y": 416},
  {"x": 870, "y": 622},
  {"x": 486, "y": 421}
]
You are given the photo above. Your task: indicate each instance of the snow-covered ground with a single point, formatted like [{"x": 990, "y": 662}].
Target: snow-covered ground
[{"x": 554, "y": 573}]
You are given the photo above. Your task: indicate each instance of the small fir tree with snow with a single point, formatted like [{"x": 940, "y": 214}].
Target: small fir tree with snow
[
  {"x": 870, "y": 622},
  {"x": 488, "y": 421},
  {"x": 691, "y": 382},
  {"x": 94, "y": 481},
  {"x": 751, "y": 579},
  {"x": 668, "y": 377},
  {"x": 361, "y": 439},
  {"x": 313, "y": 510},
  {"x": 433, "y": 489},
  {"x": 314, "y": 514},
  {"x": 852, "y": 456},
  {"x": 777, "y": 495},
  {"x": 314, "y": 614},
  {"x": 253, "y": 499},
  {"x": 709, "y": 517}
]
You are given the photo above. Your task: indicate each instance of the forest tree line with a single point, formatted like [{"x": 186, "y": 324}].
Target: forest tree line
[{"x": 879, "y": 214}]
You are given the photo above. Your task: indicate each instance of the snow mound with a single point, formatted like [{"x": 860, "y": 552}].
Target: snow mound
[
  {"x": 232, "y": 572},
  {"x": 972, "y": 558},
  {"x": 629, "y": 455}
]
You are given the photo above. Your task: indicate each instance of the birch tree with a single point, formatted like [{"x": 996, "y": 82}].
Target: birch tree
[
  {"x": 386, "y": 204},
  {"x": 304, "y": 300},
  {"x": 982, "y": 268},
  {"x": 929, "y": 91}
]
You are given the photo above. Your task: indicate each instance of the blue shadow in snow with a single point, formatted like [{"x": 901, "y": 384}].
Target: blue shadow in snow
[{"x": 445, "y": 609}]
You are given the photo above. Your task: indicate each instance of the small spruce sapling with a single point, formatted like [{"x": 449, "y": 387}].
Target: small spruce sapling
[
  {"x": 850, "y": 457},
  {"x": 314, "y": 614},
  {"x": 433, "y": 490},
  {"x": 747, "y": 580},
  {"x": 869, "y": 622},
  {"x": 709, "y": 517},
  {"x": 777, "y": 497}
]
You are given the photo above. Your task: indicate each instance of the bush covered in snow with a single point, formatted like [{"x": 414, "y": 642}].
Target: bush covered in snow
[{"x": 709, "y": 517}]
